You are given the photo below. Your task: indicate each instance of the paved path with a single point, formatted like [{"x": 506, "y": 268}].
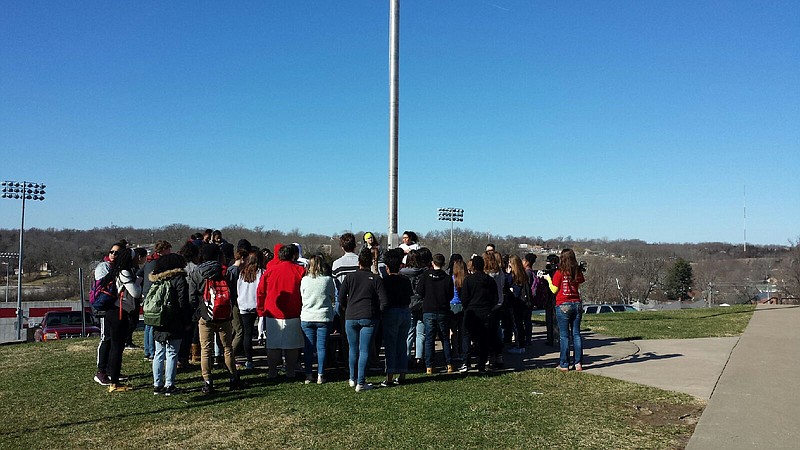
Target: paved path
[
  {"x": 752, "y": 383},
  {"x": 691, "y": 366},
  {"x": 756, "y": 403}
]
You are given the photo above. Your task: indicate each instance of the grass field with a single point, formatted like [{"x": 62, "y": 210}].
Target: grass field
[
  {"x": 48, "y": 399},
  {"x": 677, "y": 324}
]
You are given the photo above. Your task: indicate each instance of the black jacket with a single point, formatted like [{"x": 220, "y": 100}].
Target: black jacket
[
  {"x": 436, "y": 289},
  {"x": 398, "y": 292},
  {"x": 479, "y": 294},
  {"x": 361, "y": 295}
]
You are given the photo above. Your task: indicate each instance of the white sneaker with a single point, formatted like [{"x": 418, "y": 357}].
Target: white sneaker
[
  {"x": 320, "y": 379},
  {"x": 352, "y": 383},
  {"x": 363, "y": 387}
]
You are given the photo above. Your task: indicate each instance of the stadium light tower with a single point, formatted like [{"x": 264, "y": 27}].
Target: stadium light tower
[
  {"x": 24, "y": 190},
  {"x": 453, "y": 215}
]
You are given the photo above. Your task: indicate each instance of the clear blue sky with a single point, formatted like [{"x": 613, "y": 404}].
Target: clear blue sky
[{"x": 640, "y": 120}]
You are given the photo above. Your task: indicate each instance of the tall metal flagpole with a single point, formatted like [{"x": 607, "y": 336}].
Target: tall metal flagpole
[
  {"x": 394, "y": 94},
  {"x": 19, "y": 275}
]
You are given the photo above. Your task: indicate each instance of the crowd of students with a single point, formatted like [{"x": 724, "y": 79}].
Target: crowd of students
[{"x": 399, "y": 300}]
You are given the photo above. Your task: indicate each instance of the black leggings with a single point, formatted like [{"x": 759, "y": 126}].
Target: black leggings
[
  {"x": 248, "y": 321},
  {"x": 118, "y": 328}
]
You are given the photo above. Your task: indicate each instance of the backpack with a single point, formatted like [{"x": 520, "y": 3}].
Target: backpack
[
  {"x": 102, "y": 296},
  {"x": 158, "y": 308},
  {"x": 415, "y": 306},
  {"x": 217, "y": 298}
]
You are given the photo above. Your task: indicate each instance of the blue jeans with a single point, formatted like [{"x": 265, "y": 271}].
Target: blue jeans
[
  {"x": 166, "y": 354},
  {"x": 396, "y": 322},
  {"x": 359, "y": 336},
  {"x": 149, "y": 345},
  {"x": 436, "y": 323},
  {"x": 416, "y": 337},
  {"x": 316, "y": 339},
  {"x": 569, "y": 316}
]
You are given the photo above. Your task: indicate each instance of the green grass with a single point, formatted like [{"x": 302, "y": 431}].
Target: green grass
[
  {"x": 678, "y": 324},
  {"x": 48, "y": 399}
]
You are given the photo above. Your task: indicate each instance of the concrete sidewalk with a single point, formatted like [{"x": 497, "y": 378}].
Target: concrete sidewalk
[
  {"x": 756, "y": 403},
  {"x": 691, "y": 366}
]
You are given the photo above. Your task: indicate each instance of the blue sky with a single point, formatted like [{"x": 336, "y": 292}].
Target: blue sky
[{"x": 618, "y": 120}]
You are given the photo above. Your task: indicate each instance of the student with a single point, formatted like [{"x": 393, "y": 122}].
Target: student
[
  {"x": 395, "y": 318},
  {"x": 479, "y": 297},
  {"x": 360, "y": 297},
  {"x": 161, "y": 248},
  {"x": 167, "y": 337},
  {"x": 246, "y": 287},
  {"x": 209, "y": 328},
  {"x": 436, "y": 290},
  {"x": 279, "y": 301},
  {"x": 418, "y": 261},
  {"x": 104, "y": 347},
  {"x": 317, "y": 291},
  {"x": 117, "y": 319},
  {"x": 564, "y": 283},
  {"x": 520, "y": 288}
]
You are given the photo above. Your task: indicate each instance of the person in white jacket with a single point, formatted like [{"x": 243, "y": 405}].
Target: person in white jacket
[
  {"x": 129, "y": 289},
  {"x": 246, "y": 286}
]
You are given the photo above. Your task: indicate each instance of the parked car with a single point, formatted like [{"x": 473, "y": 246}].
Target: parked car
[
  {"x": 599, "y": 309},
  {"x": 57, "y": 325}
]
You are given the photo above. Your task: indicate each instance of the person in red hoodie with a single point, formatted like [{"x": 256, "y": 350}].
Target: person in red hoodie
[{"x": 278, "y": 300}]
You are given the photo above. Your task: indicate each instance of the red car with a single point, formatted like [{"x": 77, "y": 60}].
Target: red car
[{"x": 57, "y": 325}]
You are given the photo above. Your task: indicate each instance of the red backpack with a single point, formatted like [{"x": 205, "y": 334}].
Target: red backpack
[{"x": 217, "y": 298}]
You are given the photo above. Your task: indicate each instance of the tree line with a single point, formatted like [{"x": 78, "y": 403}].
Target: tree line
[{"x": 619, "y": 270}]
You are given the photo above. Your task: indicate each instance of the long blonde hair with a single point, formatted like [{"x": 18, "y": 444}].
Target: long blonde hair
[{"x": 314, "y": 266}]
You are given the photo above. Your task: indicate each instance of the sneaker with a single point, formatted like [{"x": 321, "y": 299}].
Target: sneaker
[
  {"x": 158, "y": 390},
  {"x": 385, "y": 383},
  {"x": 352, "y": 383},
  {"x": 320, "y": 379},
  {"x": 363, "y": 387},
  {"x": 118, "y": 387},
  {"x": 309, "y": 379},
  {"x": 131, "y": 347},
  {"x": 579, "y": 367},
  {"x": 463, "y": 369},
  {"x": 563, "y": 369},
  {"x": 102, "y": 379},
  {"x": 172, "y": 390},
  {"x": 208, "y": 388},
  {"x": 450, "y": 368}
]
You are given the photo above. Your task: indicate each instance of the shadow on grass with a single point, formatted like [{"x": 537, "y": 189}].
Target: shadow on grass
[{"x": 189, "y": 403}]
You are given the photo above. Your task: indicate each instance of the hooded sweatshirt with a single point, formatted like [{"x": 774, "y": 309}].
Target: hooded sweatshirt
[
  {"x": 197, "y": 284},
  {"x": 436, "y": 289},
  {"x": 278, "y": 294}
]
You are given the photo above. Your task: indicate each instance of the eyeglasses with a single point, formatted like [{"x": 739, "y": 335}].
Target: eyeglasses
[{"x": 113, "y": 252}]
